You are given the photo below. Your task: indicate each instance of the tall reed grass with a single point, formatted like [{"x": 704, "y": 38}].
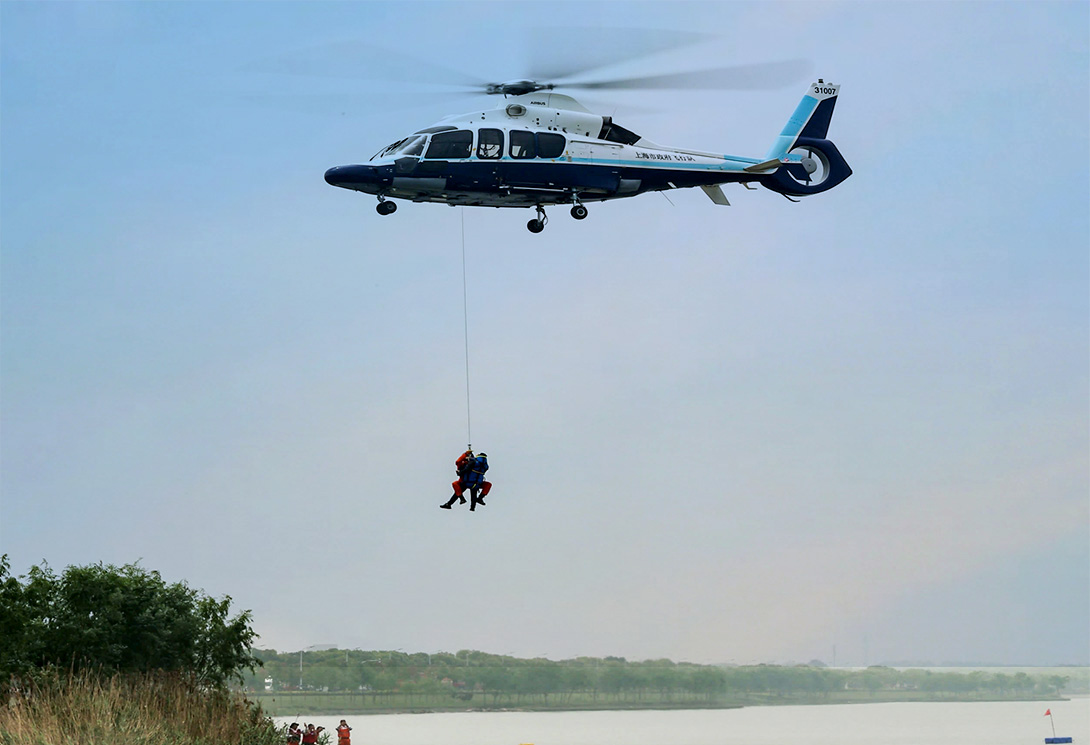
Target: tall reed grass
[{"x": 148, "y": 709}]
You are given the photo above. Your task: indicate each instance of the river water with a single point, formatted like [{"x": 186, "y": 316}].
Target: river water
[{"x": 1003, "y": 723}]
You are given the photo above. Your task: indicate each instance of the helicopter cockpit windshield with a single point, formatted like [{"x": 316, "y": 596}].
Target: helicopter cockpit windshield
[{"x": 412, "y": 145}]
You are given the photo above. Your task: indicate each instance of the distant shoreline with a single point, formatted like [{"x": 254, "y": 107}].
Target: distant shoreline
[
  {"x": 377, "y": 682},
  {"x": 287, "y": 704}
]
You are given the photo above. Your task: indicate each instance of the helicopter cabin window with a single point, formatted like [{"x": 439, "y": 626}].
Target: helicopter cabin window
[
  {"x": 490, "y": 143},
  {"x": 616, "y": 133},
  {"x": 522, "y": 144},
  {"x": 549, "y": 145},
  {"x": 456, "y": 144}
]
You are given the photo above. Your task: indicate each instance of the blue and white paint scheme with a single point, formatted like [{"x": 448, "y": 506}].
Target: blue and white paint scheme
[{"x": 543, "y": 148}]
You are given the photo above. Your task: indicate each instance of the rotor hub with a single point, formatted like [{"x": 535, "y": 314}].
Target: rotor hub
[{"x": 518, "y": 87}]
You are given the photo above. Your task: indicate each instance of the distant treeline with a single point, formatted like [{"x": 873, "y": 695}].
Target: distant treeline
[{"x": 502, "y": 680}]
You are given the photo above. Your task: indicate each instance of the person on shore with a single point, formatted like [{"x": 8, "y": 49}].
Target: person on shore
[
  {"x": 310, "y": 736},
  {"x": 463, "y": 465},
  {"x": 343, "y": 736},
  {"x": 295, "y": 734}
]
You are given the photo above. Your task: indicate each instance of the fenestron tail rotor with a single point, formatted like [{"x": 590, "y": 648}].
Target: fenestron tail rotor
[{"x": 812, "y": 170}]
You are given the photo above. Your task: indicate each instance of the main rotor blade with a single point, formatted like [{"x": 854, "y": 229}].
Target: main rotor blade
[
  {"x": 555, "y": 53},
  {"x": 325, "y": 105},
  {"x": 354, "y": 60},
  {"x": 761, "y": 76}
]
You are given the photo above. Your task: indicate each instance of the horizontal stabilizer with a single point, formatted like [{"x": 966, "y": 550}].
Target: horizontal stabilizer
[
  {"x": 715, "y": 193},
  {"x": 768, "y": 165}
]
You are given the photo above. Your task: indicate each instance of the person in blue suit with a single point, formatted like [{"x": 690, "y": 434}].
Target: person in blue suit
[{"x": 474, "y": 481}]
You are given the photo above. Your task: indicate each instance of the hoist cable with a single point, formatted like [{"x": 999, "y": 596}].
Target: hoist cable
[{"x": 465, "y": 318}]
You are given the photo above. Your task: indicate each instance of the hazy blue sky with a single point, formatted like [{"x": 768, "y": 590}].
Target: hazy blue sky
[{"x": 746, "y": 434}]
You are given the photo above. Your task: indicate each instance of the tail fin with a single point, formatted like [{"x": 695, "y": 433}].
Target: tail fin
[
  {"x": 811, "y": 119},
  {"x": 812, "y": 164}
]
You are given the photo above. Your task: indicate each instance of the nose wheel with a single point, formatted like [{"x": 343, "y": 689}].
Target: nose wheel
[
  {"x": 579, "y": 212},
  {"x": 538, "y": 224},
  {"x": 385, "y": 208}
]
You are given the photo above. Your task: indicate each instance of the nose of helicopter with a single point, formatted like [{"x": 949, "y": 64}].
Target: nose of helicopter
[
  {"x": 336, "y": 175},
  {"x": 351, "y": 177}
]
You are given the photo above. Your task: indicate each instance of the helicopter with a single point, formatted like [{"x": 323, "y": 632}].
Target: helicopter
[{"x": 541, "y": 148}]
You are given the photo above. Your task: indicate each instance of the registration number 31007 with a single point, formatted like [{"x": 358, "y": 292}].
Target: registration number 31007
[{"x": 827, "y": 91}]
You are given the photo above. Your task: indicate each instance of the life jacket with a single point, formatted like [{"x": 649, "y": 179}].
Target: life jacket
[
  {"x": 310, "y": 738},
  {"x": 477, "y": 471},
  {"x": 343, "y": 736}
]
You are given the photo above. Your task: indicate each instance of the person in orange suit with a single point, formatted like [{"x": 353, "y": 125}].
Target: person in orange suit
[{"x": 464, "y": 464}]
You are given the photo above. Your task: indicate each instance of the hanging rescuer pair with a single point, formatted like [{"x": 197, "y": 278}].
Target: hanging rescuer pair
[{"x": 471, "y": 469}]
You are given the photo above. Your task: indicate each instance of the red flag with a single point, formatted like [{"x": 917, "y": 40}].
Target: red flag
[{"x": 1048, "y": 713}]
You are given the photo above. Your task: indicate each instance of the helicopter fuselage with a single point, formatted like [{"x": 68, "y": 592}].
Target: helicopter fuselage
[
  {"x": 545, "y": 148},
  {"x": 527, "y": 153}
]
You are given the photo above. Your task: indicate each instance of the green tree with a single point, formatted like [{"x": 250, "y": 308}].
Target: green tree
[
  {"x": 119, "y": 619},
  {"x": 879, "y": 677},
  {"x": 1056, "y": 683},
  {"x": 543, "y": 678},
  {"x": 1021, "y": 682},
  {"x": 707, "y": 682},
  {"x": 621, "y": 679},
  {"x": 578, "y": 678},
  {"x": 497, "y": 680},
  {"x": 332, "y": 677},
  {"x": 662, "y": 677}
]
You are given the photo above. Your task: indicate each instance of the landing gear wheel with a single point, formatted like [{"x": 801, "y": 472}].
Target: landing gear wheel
[
  {"x": 536, "y": 226},
  {"x": 579, "y": 212},
  {"x": 386, "y": 208}
]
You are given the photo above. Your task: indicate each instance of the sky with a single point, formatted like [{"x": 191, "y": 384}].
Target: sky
[{"x": 852, "y": 429}]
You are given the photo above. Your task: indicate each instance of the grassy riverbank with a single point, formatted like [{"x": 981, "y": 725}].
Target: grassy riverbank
[{"x": 145, "y": 709}]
